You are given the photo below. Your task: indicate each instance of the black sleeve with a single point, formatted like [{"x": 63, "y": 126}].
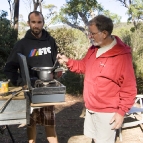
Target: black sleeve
[
  {"x": 11, "y": 72},
  {"x": 12, "y": 67}
]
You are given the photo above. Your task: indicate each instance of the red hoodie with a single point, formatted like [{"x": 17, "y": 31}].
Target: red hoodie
[{"x": 109, "y": 83}]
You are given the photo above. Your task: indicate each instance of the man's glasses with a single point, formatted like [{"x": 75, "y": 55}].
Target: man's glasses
[{"x": 93, "y": 34}]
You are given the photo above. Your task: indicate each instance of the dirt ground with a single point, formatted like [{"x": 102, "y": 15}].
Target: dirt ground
[{"x": 69, "y": 127}]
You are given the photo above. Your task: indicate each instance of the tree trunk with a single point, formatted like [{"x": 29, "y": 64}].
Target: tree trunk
[
  {"x": 16, "y": 16},
  {"x": 11, "y": 10},
  {"x": 36, "y": 4},
  {"x": 40, "y": 5}
]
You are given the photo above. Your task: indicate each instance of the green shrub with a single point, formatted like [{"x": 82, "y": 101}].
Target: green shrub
[
  {"x": 134, "y": 39},
  {"x": 7, "y": 39},
  {"x": 73, "y": 83}
]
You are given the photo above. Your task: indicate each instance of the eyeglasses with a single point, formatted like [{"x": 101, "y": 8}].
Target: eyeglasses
[{"x": 93, "y": 34}]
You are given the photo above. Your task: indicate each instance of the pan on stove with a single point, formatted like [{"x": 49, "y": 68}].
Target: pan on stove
[{"x": 48, "y": 73}]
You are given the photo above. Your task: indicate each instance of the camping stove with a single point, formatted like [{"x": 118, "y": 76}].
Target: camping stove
[
  {"x": 52, "y": 91},
  {"x": 42, "y": 91}
]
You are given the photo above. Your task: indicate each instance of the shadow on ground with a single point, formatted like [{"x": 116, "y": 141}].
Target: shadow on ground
[{"x": 68, "y": 124}]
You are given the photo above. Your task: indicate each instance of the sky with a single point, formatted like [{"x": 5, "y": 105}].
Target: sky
[{"x": 111, "y": 5}]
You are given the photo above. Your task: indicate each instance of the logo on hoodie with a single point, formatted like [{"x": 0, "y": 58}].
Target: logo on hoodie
[{"x": 40, "y": 51}]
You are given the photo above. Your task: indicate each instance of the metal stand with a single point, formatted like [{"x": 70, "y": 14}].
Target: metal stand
[{"x": 2, "y": 132}]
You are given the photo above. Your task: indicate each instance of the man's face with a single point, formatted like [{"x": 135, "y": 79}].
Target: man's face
[
  {"x": 36, "y": 24},
  {"x": 95, "y": 35}
]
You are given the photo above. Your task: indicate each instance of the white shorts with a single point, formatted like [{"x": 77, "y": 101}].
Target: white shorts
[{"x": 96, "y": 126}]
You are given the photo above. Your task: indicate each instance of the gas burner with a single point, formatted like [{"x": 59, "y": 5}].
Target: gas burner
[{"x": 40, "y": 83}]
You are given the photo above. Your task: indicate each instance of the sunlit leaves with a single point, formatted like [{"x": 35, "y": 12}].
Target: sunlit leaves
[
  {"x": 134, "y": 10},
  {"x": 116, "y": 19},
  {"x": 77, "y": 13}
]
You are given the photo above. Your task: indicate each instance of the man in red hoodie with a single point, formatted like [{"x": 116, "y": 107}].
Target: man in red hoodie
[{"x": 109, "y": 83}]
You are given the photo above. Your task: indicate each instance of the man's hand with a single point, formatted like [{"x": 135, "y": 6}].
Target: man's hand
[
  {"x": 117, "y": 119},
  {"x": 62, "y": 58}
]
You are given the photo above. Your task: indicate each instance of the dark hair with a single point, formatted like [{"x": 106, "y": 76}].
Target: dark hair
[
  {"x": 102, "y": 23},
  {"x": 36, "y": 13}
]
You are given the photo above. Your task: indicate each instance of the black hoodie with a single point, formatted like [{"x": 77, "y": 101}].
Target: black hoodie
[{"x": 39, "y": 53}]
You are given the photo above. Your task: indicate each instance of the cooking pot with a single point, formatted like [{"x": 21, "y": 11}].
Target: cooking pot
[{"x": 48, "y": 73}]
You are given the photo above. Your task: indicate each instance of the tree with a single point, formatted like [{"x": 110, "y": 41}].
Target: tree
[
  {"x": 115, "y": 18},
  {"x": 135, "y": 10},
  {"x": 10, "y": 9},
  {"x": 7, "y": 38},
  {"x": 77, "y": 13},
  {"x": 14, "y": 14},
  {"x": 37, "y": 3},
  {"x": 51, "y": 13}
]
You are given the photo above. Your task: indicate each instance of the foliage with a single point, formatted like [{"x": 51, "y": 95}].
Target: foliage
[
  {"x": 3, "y": 13},
  {"x": 134, "y": 39},
  {"x": 23, "y": 27},
  {"x": 64, "y": 39},
  {"x": 73, "y": 83},
  {"x": 137, "y": 44},
  {"x": 77, "y": 13},
  {"x": 81, "y": 44},
  {"x": 115, "y": 18},
  {"x": 139, "y": 81},
  {"x": 134, "y": 10},
  {"x": 51, "y": 13},
  {"x": 7, "y": 39},
  {"x": 69, "y": 42},
  {"x": 121, "y": 29}
]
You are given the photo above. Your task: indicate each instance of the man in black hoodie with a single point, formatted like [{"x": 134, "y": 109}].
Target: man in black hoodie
[{"x": 40, "y": 50}]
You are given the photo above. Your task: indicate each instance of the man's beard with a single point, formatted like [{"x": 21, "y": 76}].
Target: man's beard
[
  {"x": 95, "y": 43},
  {"x": 36, "y": 31}
]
